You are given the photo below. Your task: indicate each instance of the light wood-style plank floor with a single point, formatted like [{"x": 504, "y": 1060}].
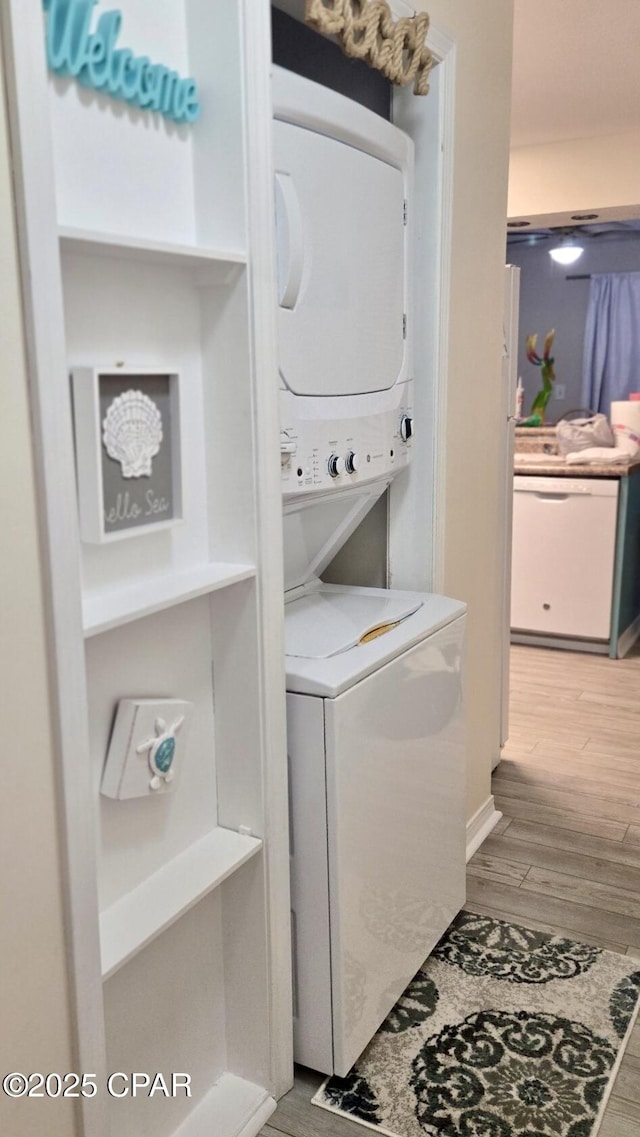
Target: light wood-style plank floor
[{"x": 566, "y": 855}]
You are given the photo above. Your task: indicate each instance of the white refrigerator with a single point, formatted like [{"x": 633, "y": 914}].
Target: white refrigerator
[{"x": 509, "y": 383}]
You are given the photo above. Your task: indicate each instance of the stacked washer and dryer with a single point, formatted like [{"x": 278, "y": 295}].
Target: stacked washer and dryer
[{"x": 374, "y": 676}]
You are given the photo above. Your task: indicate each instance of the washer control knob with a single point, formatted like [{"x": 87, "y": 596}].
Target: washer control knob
[
  {"x": 406, "y": 428},
  {"x": 287, "y": 448},
  {"x": 335, "y": 465},
  {"x": 352, "y": 462}
]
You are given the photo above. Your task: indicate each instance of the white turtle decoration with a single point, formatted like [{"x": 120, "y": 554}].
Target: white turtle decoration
[
  {"x": 132, "y": 432},
  {"x": 161, "y": 751}
]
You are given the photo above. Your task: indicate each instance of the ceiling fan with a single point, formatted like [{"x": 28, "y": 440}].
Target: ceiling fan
[
  {"x": 516, "y": 233},
  {"x": 568, "y": 240}
]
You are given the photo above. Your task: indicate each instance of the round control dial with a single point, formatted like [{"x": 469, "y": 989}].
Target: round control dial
[
  {"x": 352, "y": 462},
  {"x": 406, "y": 428},
  {"x": 335, "y": 465}
]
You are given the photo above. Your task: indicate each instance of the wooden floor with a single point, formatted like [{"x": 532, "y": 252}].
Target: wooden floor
[{"x": 566, "y": 855}]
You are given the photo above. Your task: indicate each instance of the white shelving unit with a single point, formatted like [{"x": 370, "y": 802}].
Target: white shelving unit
[
  {"x": 142, "y": 914},
  {"x": 218, "y": 266},
  {"x": 147, "y": 246},
  {"x": 111, "y": 609}
]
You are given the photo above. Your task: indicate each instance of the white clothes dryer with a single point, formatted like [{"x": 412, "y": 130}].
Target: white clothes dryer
[{"x": 343, "y": 186}]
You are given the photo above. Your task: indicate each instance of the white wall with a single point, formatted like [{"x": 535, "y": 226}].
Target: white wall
[
  {"x": 475, "y": 428},
  {"x": 35, "y": 1034},
  {"x": 548, "y": 299},
  {"x": 576, "y": 176}
]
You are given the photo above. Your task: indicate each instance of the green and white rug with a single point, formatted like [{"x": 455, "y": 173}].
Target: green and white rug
[{"x": 505, "y": 1032}]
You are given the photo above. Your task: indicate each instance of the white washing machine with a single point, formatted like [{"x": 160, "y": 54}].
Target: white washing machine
[
  {"x": 374, "y": 676},
  {"x": 377, "y": 781}
]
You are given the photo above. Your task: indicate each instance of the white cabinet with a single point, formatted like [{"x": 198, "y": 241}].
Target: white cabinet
[
  {"x": 564, "y": 540},
  {"x": 148, "y": 245}
]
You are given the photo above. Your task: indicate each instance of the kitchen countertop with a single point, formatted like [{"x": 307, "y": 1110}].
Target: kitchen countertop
[
  {"x": 540, "y": 442},
  {"x": 586, "y": 470}
]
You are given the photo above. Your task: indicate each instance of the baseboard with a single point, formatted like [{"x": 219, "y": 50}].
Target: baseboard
[
  {"x": 628, "y": 638},
  {"x": 480, "y": 825},
  {"x": 253, "y": 1126},
  {"x": 232, "y": 1108},
  {"x": 565, "y": 643}
]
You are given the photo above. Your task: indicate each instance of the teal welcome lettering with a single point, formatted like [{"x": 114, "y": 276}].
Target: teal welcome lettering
[
  {"x": 92, "y": 59},
  {"x": 67, "y": 34}
]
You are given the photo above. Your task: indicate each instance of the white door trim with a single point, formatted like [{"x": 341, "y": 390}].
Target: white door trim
[
  {"x": 480, "y": 825},
  {"x": 418, "y": 496}
]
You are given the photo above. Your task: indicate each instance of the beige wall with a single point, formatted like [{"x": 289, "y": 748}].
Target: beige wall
[
  {"x": 576, "y": 176},
  {"x": 474, "y": 537},
  {"x": 35, "y": 1032},
  {"x": 475, "y": 422}
]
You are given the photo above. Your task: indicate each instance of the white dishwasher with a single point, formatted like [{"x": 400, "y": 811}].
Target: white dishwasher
[{"x": 564, "y": 542}]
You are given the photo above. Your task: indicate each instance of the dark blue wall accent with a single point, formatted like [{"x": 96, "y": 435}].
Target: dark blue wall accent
[
  {"x": 626, "y": 584},
  {"x": 300, "y": 49}
]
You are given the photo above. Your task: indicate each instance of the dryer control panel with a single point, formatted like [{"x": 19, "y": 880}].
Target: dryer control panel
[{"x": 318, "y": 455}]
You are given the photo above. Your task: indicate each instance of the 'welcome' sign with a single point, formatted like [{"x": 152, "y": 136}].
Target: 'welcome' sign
[{"x": 92, "y": 59}]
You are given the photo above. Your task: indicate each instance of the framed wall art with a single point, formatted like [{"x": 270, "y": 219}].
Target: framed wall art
[{"x": 127, "y": 437}]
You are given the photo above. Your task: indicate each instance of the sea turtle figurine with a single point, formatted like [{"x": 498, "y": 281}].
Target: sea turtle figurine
[{"x": 161, "y": 751}]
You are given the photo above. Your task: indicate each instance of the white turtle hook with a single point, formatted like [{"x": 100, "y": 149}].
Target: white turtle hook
[{"x": 161, "y": 751}]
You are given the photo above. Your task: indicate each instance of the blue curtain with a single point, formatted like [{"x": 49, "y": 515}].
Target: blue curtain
[{"x": 611, "y": 365}]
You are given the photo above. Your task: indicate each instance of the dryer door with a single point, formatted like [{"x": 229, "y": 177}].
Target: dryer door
[{"x": 341, "y": 265}]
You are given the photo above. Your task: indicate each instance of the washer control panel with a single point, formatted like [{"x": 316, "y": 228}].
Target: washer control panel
[{"x": 319, "y": 455}]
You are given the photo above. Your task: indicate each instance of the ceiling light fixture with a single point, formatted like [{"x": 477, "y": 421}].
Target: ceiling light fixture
[{"x": 567, "y": 252}]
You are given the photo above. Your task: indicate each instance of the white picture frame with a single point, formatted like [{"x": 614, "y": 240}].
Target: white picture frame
[{"x": 128, "y": 451}]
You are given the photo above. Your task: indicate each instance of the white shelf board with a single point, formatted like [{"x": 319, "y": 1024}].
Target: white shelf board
[
  {"x": 217, "y": 265},
  {"x": 141, "y": 914},
  {"x": 111, "y": 609},
  {"x": 232, "y": 1108}
]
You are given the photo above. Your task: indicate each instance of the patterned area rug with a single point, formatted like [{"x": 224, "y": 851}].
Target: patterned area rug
[{"x": 505, "y": 1032}]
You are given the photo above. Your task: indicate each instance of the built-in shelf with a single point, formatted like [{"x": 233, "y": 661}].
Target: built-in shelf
[
  {"x": 110, "y": 609},
  {"x": 232, "y": 1107},
  {"x": 141, "y": 914},
  {"x": 216, "y": 265}
]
